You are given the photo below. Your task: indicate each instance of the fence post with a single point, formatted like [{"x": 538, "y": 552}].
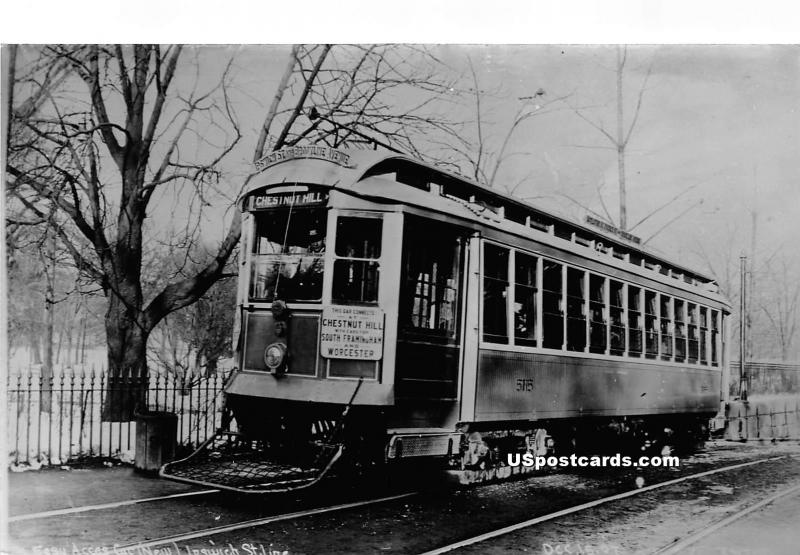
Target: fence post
[
  {"x": 172, "y": 378},
  {"x": 39, "y": 421},
  {"x": 16, "y": 415},
  {"x": 91, "y": 411},
  {"x": 191, "y": 406},
  {"x": 60, "y": 416},
  {"x": 71, "y": 411},
  {"x": 183, "y": 399},
  {"x": 103, "y": 384}
]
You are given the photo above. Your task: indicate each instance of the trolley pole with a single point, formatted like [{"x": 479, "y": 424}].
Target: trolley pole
[{"x": 742, "y": 327}]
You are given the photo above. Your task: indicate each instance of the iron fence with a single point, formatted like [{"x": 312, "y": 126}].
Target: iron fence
[
  {"x": 57, "y": 420},
  {"x": 766, "y": 378}
]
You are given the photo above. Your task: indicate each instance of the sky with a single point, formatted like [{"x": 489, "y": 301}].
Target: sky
[
  {"x": 719, "y": 127},
  {"x": 723, "y": 118}
]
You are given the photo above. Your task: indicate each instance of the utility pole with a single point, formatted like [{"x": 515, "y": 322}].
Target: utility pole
[
  {"x": 621, "y": 143},
  {"x": 742, "y": 327},
  {"x": 751, "y": 285}
]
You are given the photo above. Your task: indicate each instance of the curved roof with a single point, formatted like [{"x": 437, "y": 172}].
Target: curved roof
[
  {"x": 344, "y": 169},
  {"x": 324, "y": 169}
]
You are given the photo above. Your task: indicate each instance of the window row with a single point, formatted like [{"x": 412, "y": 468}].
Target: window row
[{"x": 532, "y": 301}]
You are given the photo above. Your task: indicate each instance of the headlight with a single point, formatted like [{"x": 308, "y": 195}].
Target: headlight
[{"x": 275, "y": 357}]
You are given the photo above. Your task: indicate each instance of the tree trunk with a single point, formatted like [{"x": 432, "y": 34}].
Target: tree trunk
[
  {"x": 76, "y": 357},
  {"x": 211, "y": 366},
  {"x": 197, "y": 369},
  {"x": 49, "y": 308},
  {"x": 57, "y": 357},
  {"x": 36, "y": 348},
  {"x": 83, "y": 338},
  {"x": 126, "y": 389}
]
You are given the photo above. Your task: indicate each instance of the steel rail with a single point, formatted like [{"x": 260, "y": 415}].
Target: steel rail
[
  {"x": 570, "y": 510},
  {"x": 680, "y": 545},
  {"x": 111, "y": 505},
  {"x": 175, "y": 539}
]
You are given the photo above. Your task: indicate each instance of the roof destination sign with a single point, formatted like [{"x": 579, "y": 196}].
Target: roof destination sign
[
  {"x": 611, "y": 229},
  {"x": 352, "y": 332},
  {"x": 314, "y": 152}
]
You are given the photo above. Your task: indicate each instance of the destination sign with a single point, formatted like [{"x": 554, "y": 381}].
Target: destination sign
[
  {"x": 610, "y": 228},
  {"x": 352, "y": 332},
  {"x": 326, "y": 153},
  {"x": 261, "y": 202}
]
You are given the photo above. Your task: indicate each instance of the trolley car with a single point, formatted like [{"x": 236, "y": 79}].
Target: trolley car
[{"x": 391, "y": 310}]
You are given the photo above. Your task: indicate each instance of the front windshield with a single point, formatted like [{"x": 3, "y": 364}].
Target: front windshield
[{"x": 288, "y": 255}]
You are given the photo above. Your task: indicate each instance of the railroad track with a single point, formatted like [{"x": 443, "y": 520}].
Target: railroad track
[
  {"x": 682, "y": 544},
  {"x": 177, "y": 538},
  {"x": 584, "y": 506},
  {"x": 112, "y": 505},
  {"x": 266, "y": 520}
]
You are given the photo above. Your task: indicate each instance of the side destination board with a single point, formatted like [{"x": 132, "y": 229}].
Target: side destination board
[{"x": 352, "y": 332}]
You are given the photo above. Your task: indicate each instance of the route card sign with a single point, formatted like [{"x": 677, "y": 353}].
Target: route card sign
[{"x": 352, "y": 332}]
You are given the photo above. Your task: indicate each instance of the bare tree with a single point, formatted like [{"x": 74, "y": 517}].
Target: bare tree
[
  {"x": 193, "y": 339},
  {"x": 98, "y": 133},
  {"x": 69, "y": 155},
  {"x": 471, "y": 149},
  {"x": 368, "y": 95},
  {"x": 620, "y": 137},
  {"x": 780, "y": 303},
  {"x": 773, "y": 315}
]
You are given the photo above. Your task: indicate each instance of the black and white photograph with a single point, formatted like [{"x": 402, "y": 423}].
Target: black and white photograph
[{"x": 415, "y": 297}]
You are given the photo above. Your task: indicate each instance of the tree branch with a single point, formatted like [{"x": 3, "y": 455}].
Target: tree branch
[
  {"x": 273, "y": 108},
  {"x": 303, "y": 95},
  {"x": 99, "y": 106},
  {"x": 638, "y": 105},
  {"x": 158, "y": 106},
  {"x": 183, "y": 293}
]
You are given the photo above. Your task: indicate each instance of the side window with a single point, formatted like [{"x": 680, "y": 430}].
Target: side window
[
  {"x": 495, "y": 293},
  {"x": 597, "y": 303},
  {"x": 680, "y": 331},
  {"x": 703, "y": 335},
  {"x": 525, "y": 309},
  {"x": 715, "y": 326},
  {"x": 651, "y": 324},
  {"x": 666, "y": 327},
  {"x": 692, "y": 337},
  {"x": 634, "y": 321},
  {"x": 616, "y": 313},
  {"x": 356, "y": 268},
  {"x": 576, "y": 310},
  {"x": 431, "y": 280},
  {"x": 552, "y": 313}
]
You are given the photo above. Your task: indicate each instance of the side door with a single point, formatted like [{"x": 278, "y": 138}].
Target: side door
[{"x": 430, "y": 310}]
